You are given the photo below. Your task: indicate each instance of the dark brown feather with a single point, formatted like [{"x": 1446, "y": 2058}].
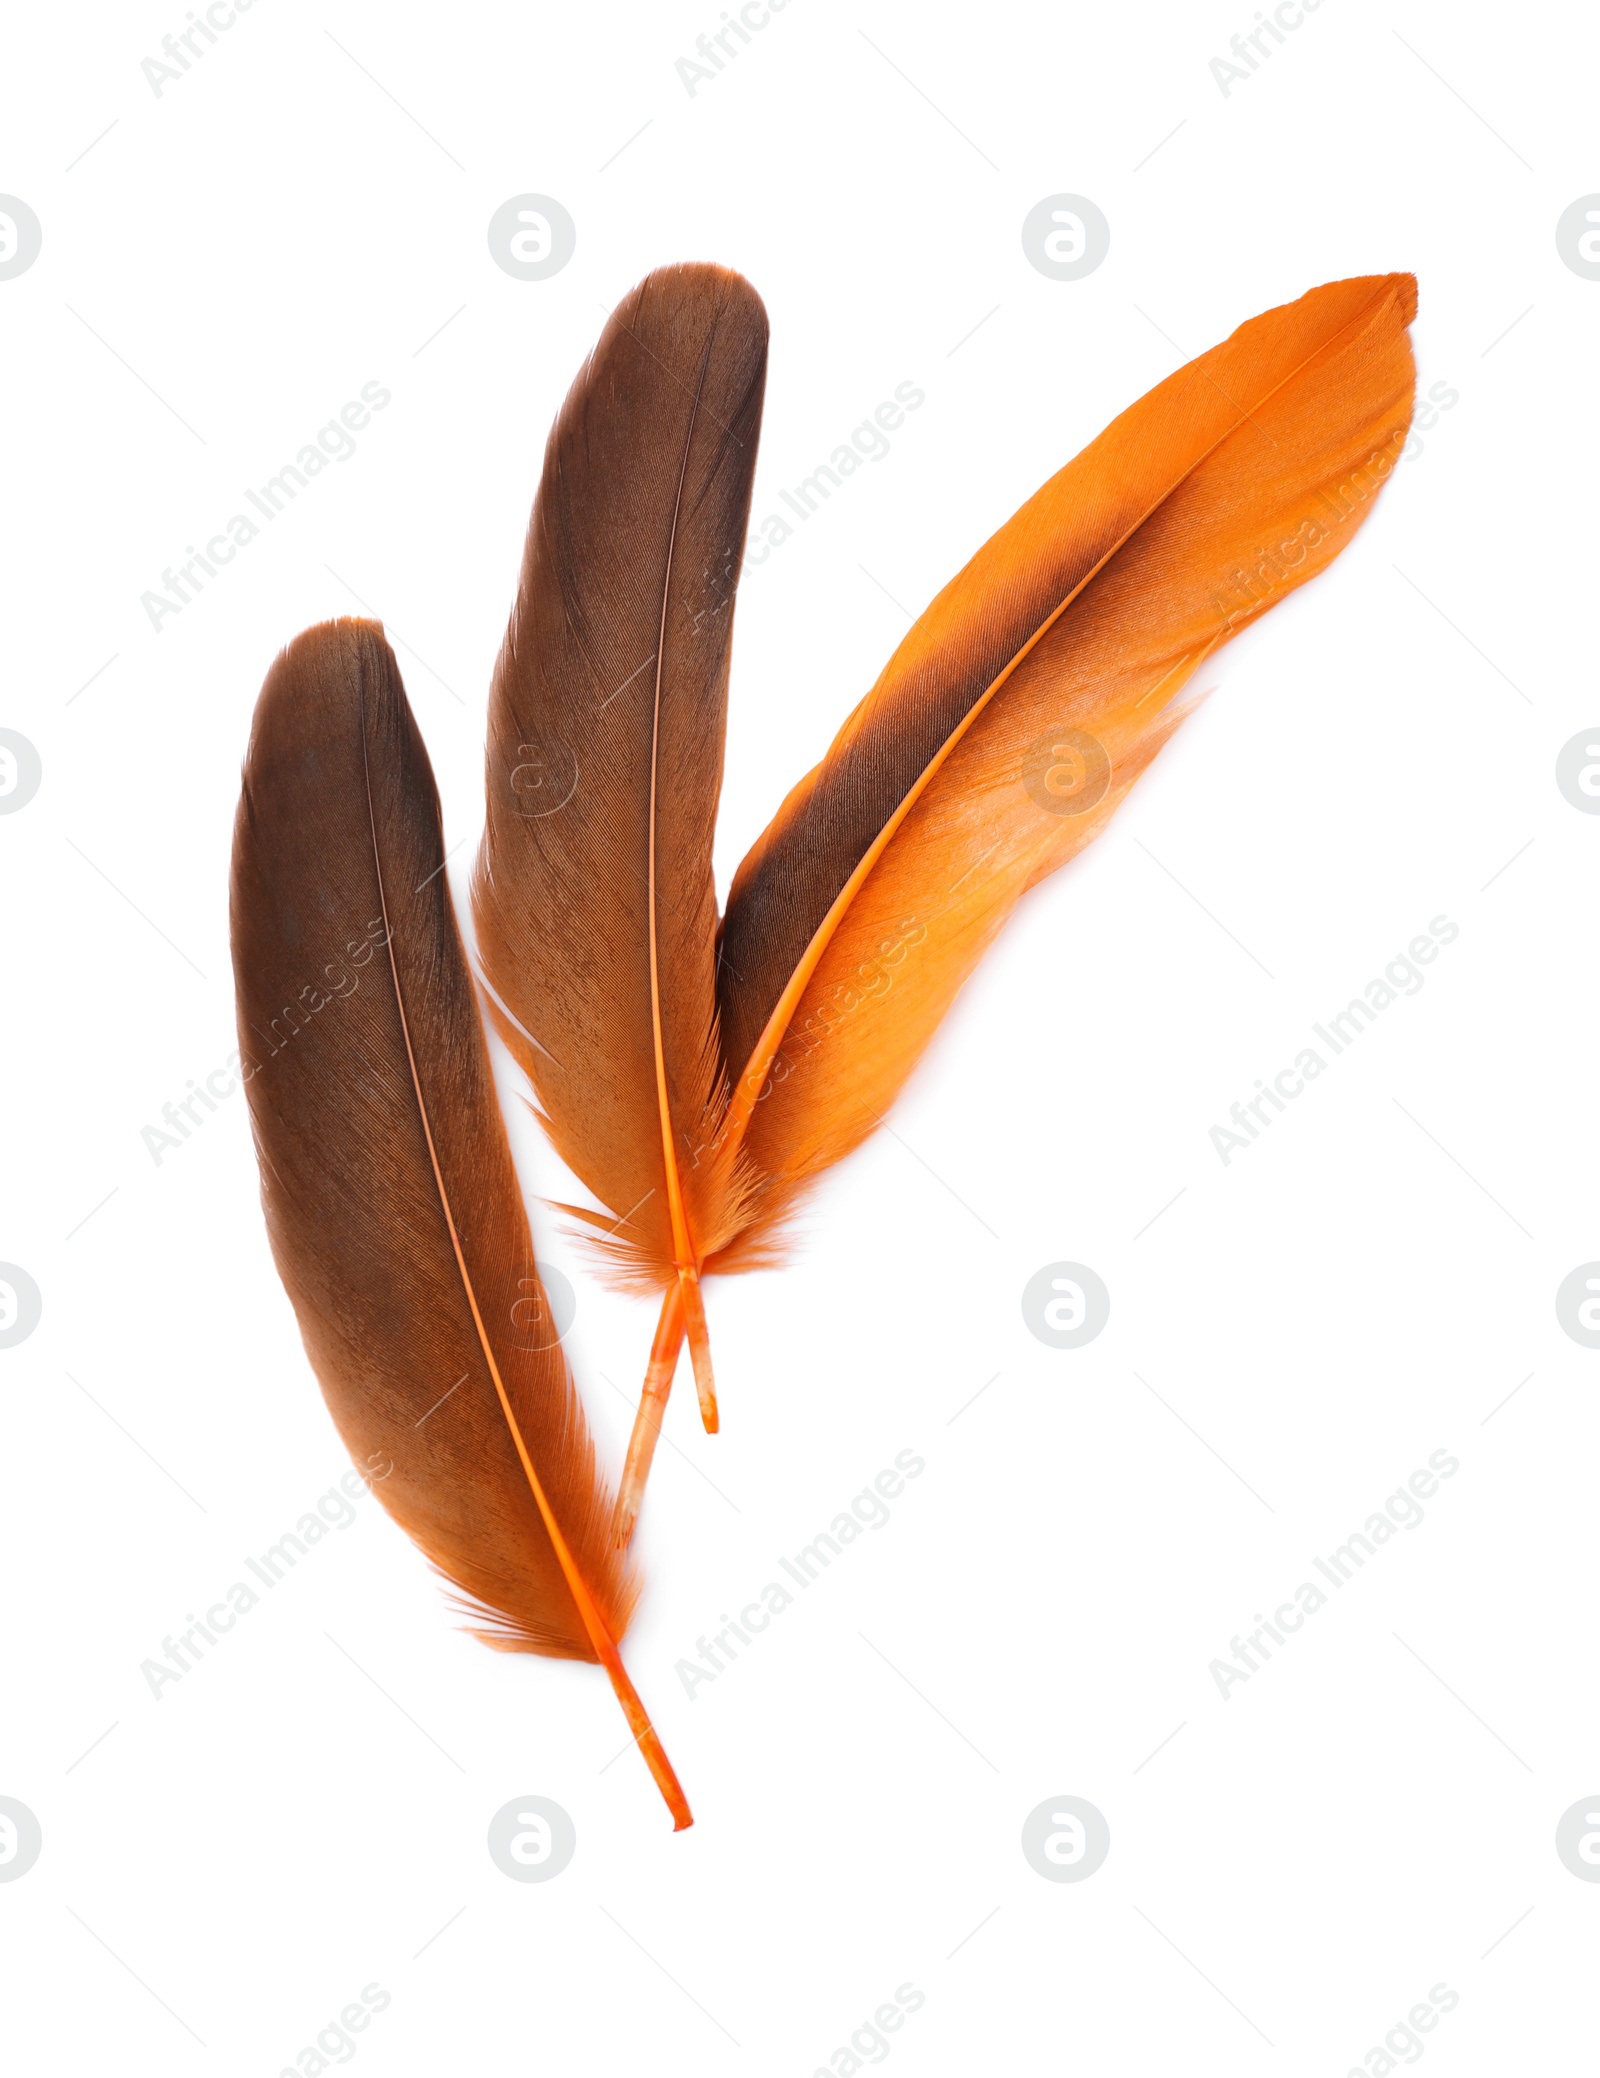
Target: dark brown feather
[
  {"x": 390, "y": 1197},
  {"x": 604, "y": 764},
  {"x": 595, "y": 904}
]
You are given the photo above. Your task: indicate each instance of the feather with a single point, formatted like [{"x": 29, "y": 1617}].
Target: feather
[
  {"x": 386, "y": 1179},
  {"x": 593, "y": 895},
  {"x": 1021, "y": 707}
]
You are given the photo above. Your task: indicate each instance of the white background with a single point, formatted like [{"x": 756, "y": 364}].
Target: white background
[{"x": 1288, "y": 1341}]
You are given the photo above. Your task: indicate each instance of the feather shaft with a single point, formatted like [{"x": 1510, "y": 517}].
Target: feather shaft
[
  {"x": 652, "y": 1405},
  {"x": 686, "y": 1259}
]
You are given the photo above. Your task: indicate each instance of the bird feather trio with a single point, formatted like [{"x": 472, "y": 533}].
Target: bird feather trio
[{"x": 696, "y": 1076}]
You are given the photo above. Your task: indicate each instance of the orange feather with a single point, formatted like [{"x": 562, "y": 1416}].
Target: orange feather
[{"x": 1020, "y": 709}]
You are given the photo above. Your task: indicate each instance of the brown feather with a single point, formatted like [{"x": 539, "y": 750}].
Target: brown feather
[
  {"x": 593, "y": 896},
  {"x": 390, "y": 1197}
]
